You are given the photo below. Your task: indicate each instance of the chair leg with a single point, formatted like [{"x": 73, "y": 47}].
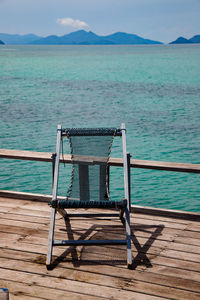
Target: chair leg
[
  {"x": 121, "y": 214},
  {"x": 56, "y": 160},
  {"x": 128, "y": 239},
  {"x": 51, "y": 236}
]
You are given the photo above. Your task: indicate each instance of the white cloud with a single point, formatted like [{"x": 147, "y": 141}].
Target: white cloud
[{"x": 69, "y": 22}]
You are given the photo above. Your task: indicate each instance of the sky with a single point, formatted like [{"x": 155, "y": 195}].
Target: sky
[{"x": 161, "y": 20}]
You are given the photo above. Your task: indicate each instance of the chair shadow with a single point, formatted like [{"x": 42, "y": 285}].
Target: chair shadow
[{"x": 141, "y": 257}]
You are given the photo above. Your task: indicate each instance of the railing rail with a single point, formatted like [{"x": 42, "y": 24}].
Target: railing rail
[{"x": 117, "y": 162}]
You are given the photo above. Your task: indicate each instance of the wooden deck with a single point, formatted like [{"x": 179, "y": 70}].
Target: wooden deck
[{"x": 166, "y": 250}]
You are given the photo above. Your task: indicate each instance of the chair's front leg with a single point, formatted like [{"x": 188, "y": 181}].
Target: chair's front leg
[
  {"x": 128, "y": 238},
  {"x": 55, "y": 159},
  {"x": 51, "y": 236}
]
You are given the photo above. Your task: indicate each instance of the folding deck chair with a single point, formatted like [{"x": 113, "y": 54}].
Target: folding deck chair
[{"x": 89, "y": 187}]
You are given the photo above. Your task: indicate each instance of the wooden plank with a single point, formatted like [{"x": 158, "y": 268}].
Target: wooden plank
[
  {"x": 42, "y": 240},
  {"x": 164, "y": 261},
  {"x": 28, "y": 208},
  {"x": 160, "y": 218},
  {"x": 140, "y": 233},
  {"x": 188, "y": 241},
  {"x": 67, "y": 271},
  {"x": 165, "y": 212},
  {"x": 154, "y": 165},
  {"x": 143, "y": 245},
  {"x": 141, "y": 225},
  {"x": 23, "y": 297},
  {"x": 162, "y": 224},
  {"x": 155, "y": 230},
  {"x": 189, "y": 234},
  {"x": 27, "y": 230},
  {"x": 31, "y": 205},
  {"x": 189, "y": 265},
  {"x": 77, "y": 287},
  {"x": 34, "y": 221},
  {"x": 184, "y": 247},
  {"x": 100, "y": 280},
  {"x": 24, "y": 242},
  {"x": 181, "y": 255},
  {"x": 20, "y": 289},
  {"x": 19, "y": 240},
  {"x": 25, "y": 196},
  {"x": 134, "y": 208},
  {"x": 193, "y": 227},
  {"x": 175, "y": 272}
]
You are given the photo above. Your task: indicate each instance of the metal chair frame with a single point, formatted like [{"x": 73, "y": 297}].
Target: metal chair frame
[{"x": 126, "y": 209}]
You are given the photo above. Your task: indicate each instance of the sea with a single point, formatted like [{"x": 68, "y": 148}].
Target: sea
[{"x": 153, "y": 89}]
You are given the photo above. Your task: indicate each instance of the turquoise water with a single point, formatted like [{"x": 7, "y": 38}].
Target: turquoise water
[{"x": 154, "y": 89}]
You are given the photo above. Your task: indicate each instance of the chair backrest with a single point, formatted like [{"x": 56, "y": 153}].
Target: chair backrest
[{"x": 90, "y": 150}]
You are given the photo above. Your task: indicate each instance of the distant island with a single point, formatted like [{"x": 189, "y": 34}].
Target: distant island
[
  {"x": 2, "y": 43},
  {"x": 181, "y": 40},
  {"x": 17, "y": 39},
  {"x": 82, "y": 37}
]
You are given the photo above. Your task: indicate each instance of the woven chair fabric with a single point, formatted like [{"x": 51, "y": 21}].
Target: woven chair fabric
[{"x": 89, "y": 180}]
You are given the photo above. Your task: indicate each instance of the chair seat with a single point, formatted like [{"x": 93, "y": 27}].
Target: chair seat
[{"x": 88, "y": 204}]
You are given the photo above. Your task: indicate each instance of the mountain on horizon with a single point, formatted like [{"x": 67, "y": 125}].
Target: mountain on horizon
[
  {"x": 128, "y": 39},
  {"x": 17, "y": 39},
  {"x": 80, "y": 37},
  {"x": 195, "y": 39},
  {"x": 181, "y": 40}
]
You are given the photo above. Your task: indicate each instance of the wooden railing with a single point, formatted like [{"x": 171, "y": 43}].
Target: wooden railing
[
  {"x": 144, "y": 164},
  {"x": 117, "y": 162}
]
